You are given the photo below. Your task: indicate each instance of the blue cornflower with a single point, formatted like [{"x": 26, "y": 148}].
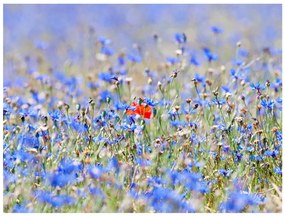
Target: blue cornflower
[
  {"x": 81, "y": 128},
  {"x": 193, "y": 61},
  {"x": 107, "y": 76},
  {"x": 180, "y": 37},
  {"x": 104, "y": 41},
  {"x": 267, "y": 104},
  {"x": 269, "y": 153},
  {"x": 54, "y": 200},
  {"x": 67, "y": 166},
  {"x": 143, "y": 162},
  {"x": 243, "y": 52},
  {"x": 278, "y": 170},
  {"x": 107, "y": 51},
  {"x": 96, "y": 171},
  {"x": 210, "y": 56},
  {"x": 129, "y": 127},
  {"x": 167, "y": 200},
  {"x": 219, "y": 101},
  {"x": 97, "y": 192},
  {"x": 216, "y": 29},
  {"x": 59, "y": 179},
  {"x": 199, "y": 78},
  {"x": 21, "y": 208},
  {"x": 226, "y": 88},
  {"x": 135, "y": 57},
  {"x": 114, "y": 164},
  {"x": 237, "y": 201},
  {"x": 278, "y": 135},
  {"x": 42, "y": 45},
  {"x": 55, "y": 115},
  {"x": 257, "y": 87},
  {"x": 121, "y": 60},
  {"x": 28, "y": 141},
  {"x": 250, "y": 148},
  {"x": 104, "y": 95},
  {"x": 224, "y": 172},
  {"x": 172, "y": 60},
  {"x": 150, "y": 102}
]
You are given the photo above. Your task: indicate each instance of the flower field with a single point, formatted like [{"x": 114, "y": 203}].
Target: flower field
[{"x": 142, "y": 108}]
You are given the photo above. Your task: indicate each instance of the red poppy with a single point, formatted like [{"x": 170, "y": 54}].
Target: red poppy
[{"x": 141, "y": 109}]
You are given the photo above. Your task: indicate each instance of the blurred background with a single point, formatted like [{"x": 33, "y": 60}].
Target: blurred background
[{"x": 48, "y": 37}]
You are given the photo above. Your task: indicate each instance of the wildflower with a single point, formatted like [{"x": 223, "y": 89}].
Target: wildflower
[
  {"x": 278, "y": 170},
  {"x": 210, "y": 56},
  {"x": 54, "y": 200},
  {"x": 141, "y": 109},
  {"x": 180, "y": 38},
  {"x": 237, "y": 201},
  {"x": 216, "y": 29},
  {"x": 257, "y": 87}
]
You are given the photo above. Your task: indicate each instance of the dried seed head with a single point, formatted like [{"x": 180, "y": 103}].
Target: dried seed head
[
  {"x": 194, "y": 81},
  {"x": 210, "y": 70},
  {"x": 179, "y": 52},
  {"x": 188, "y": 100},
  {"x": 216, "y": 93},
  {"x": 243, "y": 110},
  {"x": 149, "y": 81},
  {"x": 275, "y": 129},
  {"x": 239, "y": 119},
  {"x": 209, "y": 82},
  {"x": 129, "y": 80},
  {"x": 229, "y": 110},
  {"x": 187, "y": 117},
  {"x": 177, "y": 108},
  {"x": 228, "y": 95},
  {"x": 159, "y": 85}
]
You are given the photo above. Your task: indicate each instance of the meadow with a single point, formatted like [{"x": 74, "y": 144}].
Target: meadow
[{"x": 142, "y": 108}]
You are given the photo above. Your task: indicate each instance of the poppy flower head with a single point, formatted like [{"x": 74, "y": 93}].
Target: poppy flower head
[{"x": 140, "y": 108}]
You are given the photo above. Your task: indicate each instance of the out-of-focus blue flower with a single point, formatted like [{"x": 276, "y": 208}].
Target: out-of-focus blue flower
[
  {"x": 150, "y": 102},
  {"x": 219, "y": 101},
  {"x": 216, "y": 29},
  {"x": 278, "y": 170},
  {"x": 54, "y": 200},
  {"x": 180, "y": 38},
  {"x": 59, "y": 179},
  {"x": 257, "y": 86},
  {"x": 135, "y": 57},
  {"x": 107, "y": 51},
  {"x": 55, "y": 115},
  {"x": 226, "y": 88},
  {"x": 107, "y": 76},
  {"x": 96, "y": 171},
  {"x": 96, "y": 191},
  {"x": 104, "y": 41},
  {"x": 194, "y": 61},
  {"x": 267, "y": 104},
  {"x": 21, "y": 208},
  {"x": 210, "y": 56},
  {"x": 224, "y": 172},
  {"x": 114, "y": 165},
  {"x": 172, "y": 60},
  {"x": 237, "y": 201},
  {"x": 167, "y": 200}
]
